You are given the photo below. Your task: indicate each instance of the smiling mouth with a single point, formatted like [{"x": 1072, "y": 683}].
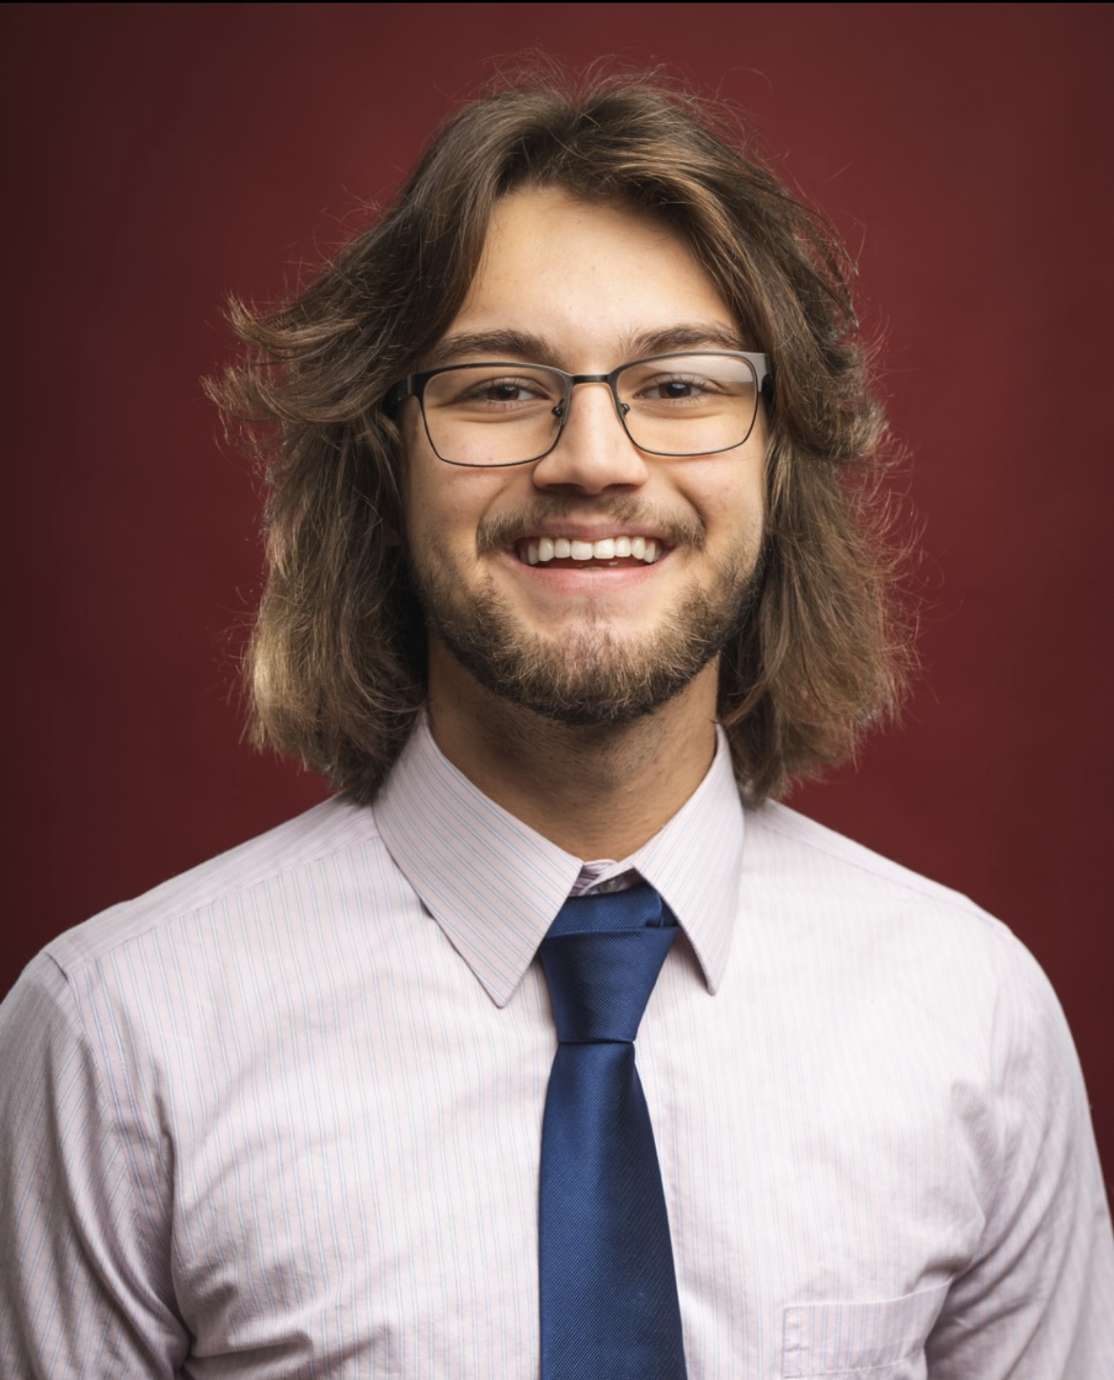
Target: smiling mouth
[{"x": 560, "y": 553}]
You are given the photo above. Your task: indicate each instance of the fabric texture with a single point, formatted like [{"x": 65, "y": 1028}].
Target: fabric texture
[
  {"x": 281, "y": 1116},
  {"x": 608, "y": 1288}
]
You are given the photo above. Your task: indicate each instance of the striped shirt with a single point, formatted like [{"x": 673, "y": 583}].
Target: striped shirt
[{"x": 281, "y": 1116}]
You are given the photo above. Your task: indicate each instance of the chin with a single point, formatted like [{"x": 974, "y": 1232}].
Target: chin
[
  {"x": 593, "y": 680},
  {"x": 584, "y": 668}
]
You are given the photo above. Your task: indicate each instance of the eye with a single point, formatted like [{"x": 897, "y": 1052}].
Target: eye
[
  {"x": 494, "y": 392},
  {"x": 678, "y": 389},
  {"x": 500, "y": 391}
]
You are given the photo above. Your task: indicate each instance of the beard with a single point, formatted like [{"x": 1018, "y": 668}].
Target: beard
[{"x": 592, "y": 676}]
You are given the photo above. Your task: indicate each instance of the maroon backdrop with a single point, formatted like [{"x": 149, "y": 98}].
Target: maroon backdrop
[{"x": 164, "y": 155}]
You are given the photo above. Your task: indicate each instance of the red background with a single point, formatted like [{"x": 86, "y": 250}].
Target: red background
[{"x": 164, "y": 155}]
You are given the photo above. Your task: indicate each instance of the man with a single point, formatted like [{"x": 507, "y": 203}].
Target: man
[{"x": 567, "y": 582}]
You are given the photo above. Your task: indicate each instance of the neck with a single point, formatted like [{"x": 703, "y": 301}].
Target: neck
[{"x": 597, "y": 792}]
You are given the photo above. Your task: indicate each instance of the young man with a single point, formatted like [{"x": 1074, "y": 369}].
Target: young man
[{"x": 567, "y": 582}]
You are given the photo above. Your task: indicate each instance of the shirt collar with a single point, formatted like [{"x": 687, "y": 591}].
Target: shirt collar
[{"x": 495, "y": 885}]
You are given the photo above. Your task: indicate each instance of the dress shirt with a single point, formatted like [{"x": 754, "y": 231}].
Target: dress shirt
[{"x": 281, "y": 1116}]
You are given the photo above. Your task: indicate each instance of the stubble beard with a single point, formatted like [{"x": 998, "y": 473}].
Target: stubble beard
[{"x": 589, "y": 677}]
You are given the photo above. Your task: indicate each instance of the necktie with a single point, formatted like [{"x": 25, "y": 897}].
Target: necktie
[{"x": 609, "y": 1307}]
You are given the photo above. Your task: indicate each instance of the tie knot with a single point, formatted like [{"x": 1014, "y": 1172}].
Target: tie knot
[{"x": 601, "y": 958}]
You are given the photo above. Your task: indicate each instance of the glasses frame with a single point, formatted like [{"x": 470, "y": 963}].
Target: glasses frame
[{"x": 414, "y": 385}]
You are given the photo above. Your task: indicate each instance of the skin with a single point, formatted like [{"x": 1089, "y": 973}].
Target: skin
[{"x": 582, "y": 275}]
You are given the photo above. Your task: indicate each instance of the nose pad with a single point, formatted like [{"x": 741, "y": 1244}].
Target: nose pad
[{"x": 561, "y": 410}]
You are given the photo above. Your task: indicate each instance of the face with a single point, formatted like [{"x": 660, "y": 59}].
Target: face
[{"x": 598, "y": 642}]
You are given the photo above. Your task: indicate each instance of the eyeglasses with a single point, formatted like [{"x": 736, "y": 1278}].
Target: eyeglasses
[{"x": 508, "y": 413}]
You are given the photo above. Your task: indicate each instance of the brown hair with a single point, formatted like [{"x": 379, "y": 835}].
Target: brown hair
[{"x": 335, "y": 668}]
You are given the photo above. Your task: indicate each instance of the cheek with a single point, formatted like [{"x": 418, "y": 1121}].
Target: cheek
[
  {"x": 729, "y": 498},
  {"x": 430, "y": 525},
  {"x": 424, "y": 490},
  {"x": 743, "y": 489},
  {"x": 415, "y": 505},
  {"x": 444, "y": 506}
]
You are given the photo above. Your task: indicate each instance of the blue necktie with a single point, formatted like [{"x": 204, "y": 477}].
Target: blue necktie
[{"x": 609, "y": 1307}]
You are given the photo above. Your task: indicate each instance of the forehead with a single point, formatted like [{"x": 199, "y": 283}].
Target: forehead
[{"x": 590, "y": 277}]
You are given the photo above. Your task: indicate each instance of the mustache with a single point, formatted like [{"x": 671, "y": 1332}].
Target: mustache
[{"x": 501, "y": 530}]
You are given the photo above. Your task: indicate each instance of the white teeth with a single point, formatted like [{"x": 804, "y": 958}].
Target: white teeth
[{"x": 542, "y": 549}]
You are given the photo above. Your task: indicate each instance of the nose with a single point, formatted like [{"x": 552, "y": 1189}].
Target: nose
[{"x": 594, "y": 451}]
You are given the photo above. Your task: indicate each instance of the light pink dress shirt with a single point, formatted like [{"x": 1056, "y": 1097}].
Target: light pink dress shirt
[{"x": 281, "y": 1116}]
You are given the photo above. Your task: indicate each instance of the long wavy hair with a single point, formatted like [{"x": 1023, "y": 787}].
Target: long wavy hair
[{"x": 335, "y": 670}]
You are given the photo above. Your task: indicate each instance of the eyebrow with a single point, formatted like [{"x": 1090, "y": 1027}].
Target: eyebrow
[{"x": 536, "y": 349}]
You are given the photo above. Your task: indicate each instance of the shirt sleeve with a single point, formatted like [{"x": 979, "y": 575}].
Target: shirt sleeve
[
  {"x": 85, "y": 1280},
  {"x": 1038, "y": 1302}
]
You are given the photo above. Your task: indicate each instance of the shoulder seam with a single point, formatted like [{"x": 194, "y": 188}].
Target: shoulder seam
[
  {"x": 232, "y": 889},
  {"x": 922, "y": 886}
]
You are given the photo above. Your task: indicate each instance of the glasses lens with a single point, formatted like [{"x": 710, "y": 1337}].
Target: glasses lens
[
  {"x": 500, "y": 414},
  {"x": 689, "y": 404},
  {"x": 492, "y": 414}
]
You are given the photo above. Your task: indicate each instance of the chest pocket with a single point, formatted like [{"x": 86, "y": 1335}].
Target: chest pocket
[{"x": 882, "y": 1340}]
